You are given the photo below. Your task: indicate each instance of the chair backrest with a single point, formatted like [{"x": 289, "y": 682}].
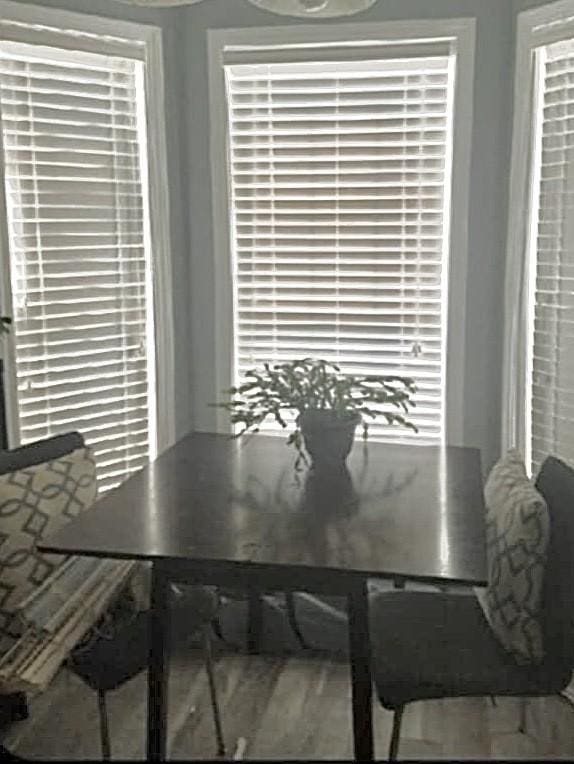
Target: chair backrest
[
  {"x": 40, "y": 451},
  {"x": 555, "y": 482}
]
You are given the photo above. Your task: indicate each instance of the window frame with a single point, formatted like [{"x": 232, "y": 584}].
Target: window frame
[
  {"x": 535, "y": 28},
  {"x": 461, "y": 32},
  {"x": 32, "y": 24}
]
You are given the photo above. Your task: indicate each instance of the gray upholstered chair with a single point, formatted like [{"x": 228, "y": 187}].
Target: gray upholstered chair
[
  {"x": 105, "y": 664},
  {"x": 439, "y": 645}
]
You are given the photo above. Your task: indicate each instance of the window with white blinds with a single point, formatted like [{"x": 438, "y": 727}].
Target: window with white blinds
[
  {"x": 339, "y": 194},
  {"x": 550, "y": 388},
  {"x": 74, "y": 162}
]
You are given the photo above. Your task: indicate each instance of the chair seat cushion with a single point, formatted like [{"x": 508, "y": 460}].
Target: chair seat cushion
[
  {"x": 435, "y": 645},
  {"x": 192, "y": 606},
  {"x": 107, "y": 662}
]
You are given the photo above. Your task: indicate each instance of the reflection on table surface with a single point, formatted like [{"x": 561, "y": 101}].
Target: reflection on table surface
[{"x": 393, "y": 509}]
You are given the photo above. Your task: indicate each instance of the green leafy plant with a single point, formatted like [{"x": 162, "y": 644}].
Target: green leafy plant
[{"x": 316, "y": 385}]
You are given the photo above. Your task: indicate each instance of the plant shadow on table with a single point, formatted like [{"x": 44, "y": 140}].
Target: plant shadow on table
[
  {"x": 305, "y": 512},
  {"x": 314, "y": 520}
]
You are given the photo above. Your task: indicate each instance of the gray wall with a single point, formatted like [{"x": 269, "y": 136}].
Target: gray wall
[
  {"x": 488, "y": 195},
  {"x": 173, "y": 44},
  {"x": 185, "y": 34}
]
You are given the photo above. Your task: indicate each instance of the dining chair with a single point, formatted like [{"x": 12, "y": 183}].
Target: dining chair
[
  {"x": 107, "y": 661},
  {"x": 6, "y": 755},
  {"x": 254, "y": 623},
  {"x": 39, "y": 452},
  {"x": 12, "y": 460},
  {"x": 429, "y": 645}
]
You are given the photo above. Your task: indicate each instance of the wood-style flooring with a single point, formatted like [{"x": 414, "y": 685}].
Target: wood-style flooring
[{"x": 293, "y": 707}]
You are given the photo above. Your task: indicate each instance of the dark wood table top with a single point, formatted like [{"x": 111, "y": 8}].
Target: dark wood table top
[{"x": 412, "y": 511}]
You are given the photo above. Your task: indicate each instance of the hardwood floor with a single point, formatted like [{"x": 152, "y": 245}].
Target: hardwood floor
[{"x": 286, "y": 708}]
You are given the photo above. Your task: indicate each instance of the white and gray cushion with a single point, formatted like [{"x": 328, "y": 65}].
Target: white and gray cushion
[
  {"x": 517, "y": 537},
  {"x": 36, "y": 502}
]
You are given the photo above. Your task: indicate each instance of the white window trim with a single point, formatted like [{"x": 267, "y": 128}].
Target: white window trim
[
  {"x": 462, "y": 33},
  {"x": 537, "y": 27},
  {"x": 31, "y": 23}
]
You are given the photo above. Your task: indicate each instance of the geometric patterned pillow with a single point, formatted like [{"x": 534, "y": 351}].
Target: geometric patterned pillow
[
  {"x": 34, "y": 503},
  {"x": 517, "y": 535}
]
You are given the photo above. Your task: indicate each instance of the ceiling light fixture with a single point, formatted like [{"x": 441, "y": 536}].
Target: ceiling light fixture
[
  {"x": 159, "y": 3},
  {"x": 318, "y": 9},
  {"x": 314, "y": 8}
]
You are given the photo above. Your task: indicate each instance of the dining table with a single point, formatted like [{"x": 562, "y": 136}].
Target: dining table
[{"x": 237, "y": 513}]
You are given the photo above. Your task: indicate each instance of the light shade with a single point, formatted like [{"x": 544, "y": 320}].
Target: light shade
[
  {"x": 319, "y": 9},
  {"x": 314, "y": 8},
  {"x": 159, "y": 3}
]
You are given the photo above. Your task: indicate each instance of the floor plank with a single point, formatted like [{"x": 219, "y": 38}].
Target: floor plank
[{"x": 286, "y": 708}]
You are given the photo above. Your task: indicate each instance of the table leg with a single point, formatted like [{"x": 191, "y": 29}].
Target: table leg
[
  {"x": 254, "y": 620},
  {"x": 158, "y": 665},
  {"x": 360, "y": 658}
]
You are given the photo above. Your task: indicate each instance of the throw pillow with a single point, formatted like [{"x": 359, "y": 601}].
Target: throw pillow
[
  {"x": 517, "y": 537},
  {"x": 36, "y": 502}
]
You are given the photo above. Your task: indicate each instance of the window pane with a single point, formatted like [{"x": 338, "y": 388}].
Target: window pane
[
  {"x": 339, "y": 188},
  {"x": 78, "y": 254},
  {"x": 551, "y": 372}
]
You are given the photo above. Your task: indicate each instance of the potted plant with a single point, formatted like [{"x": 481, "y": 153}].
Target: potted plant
[{"x": 327, "y": 403}]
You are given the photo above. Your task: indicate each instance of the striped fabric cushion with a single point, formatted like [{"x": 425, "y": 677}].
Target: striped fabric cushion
[{"x": 517, "y": 536}]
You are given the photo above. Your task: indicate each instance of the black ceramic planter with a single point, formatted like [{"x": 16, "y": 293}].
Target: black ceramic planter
[{"x": 328, "y": 437}]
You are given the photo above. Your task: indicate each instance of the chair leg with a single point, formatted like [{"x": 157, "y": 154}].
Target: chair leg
[
  {"x": 18, "y": 706},
  {"x": 216, "y": 626},
  {"x": 522, "y": 722},
  {"x": 292, "y": 618},
  {"x": 213, "y": 692},
  {"x": 104, "y": 729},
  {"x": 394, "y": 746},
  {"x": 254, "y": 620},
  {"x": 217, "y": 630}
]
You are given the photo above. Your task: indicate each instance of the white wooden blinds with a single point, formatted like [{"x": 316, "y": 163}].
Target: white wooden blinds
[
  {"x": 72, "y": 132},
  {"x": 552, "y": 299},
  {"x": 339, "y": 174}
]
